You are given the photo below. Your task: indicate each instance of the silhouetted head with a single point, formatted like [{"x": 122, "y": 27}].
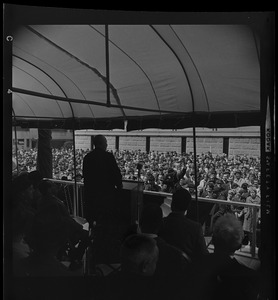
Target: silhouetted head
[
  {"x": 180, "y": 200},
  {"x": 100, "y": 142}
]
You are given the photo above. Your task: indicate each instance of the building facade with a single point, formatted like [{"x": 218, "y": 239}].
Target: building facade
[
  {"x": 239, "y": 141},
  {"x": 235, "y": 141}
]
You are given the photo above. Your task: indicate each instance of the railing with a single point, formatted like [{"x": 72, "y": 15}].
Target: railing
[
  {"x": 74, "y": 197},
  {"x": 254, "y": 208},
  {"x": 76, "y": 204}
]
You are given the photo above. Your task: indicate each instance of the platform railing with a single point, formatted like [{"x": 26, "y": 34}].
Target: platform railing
[
  {"x": 254, "y": 207},
  {"x": 76, "y": 204},
  {"x": 74, "y": 196}
]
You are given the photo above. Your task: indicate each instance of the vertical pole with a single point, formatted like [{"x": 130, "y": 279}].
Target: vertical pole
[
  {"x": 195, "y": 172},
  {"x": 107, "y": 65},
  {"x": 75, "y": 192},
  {"x": 44, "y": 157},
  {"x": 226, "y": 141},
  {"x": 16, "y": 150},
  {"x": 254, "y": 228},
  {"x": 148, "y": 143},
  {"x": 183, "y": 144},
  {"x": 117, "y": 141}
]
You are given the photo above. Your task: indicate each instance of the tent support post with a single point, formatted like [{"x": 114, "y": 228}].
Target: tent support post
[
  {"x": 195, "y": 171},
  {"x": 75, "y": 193},
  {"x": 75, "y": 207},
  {"x": 107, "y": 65},
  {"x": 16, "y": 150},
  {"x": 44, "y": 156}
]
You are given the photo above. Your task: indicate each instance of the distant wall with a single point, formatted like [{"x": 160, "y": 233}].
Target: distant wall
[
  {"x": 205, "y": 144},
  {"x": 236, "y": 143},
  {"x": 249, "y": 146},
  {"x": 165, "y": 144},
  {"x": 132, "y": 143}
]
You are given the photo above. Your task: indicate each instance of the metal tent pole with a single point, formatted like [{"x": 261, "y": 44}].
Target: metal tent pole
[
  {"x": 107, "y": 65},
  {"x": 75, "y": 207},
  {"x": 195, "y": 170},
  {"x": 16, "y": 150}
]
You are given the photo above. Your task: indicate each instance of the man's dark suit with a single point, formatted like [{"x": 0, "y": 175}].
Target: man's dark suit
[
  {"x": 102, "y": 177},
  {"x": 183, "y": 233}
]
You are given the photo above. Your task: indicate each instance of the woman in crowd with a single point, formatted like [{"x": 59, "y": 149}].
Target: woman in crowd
[{"x": 247, "y": 212}]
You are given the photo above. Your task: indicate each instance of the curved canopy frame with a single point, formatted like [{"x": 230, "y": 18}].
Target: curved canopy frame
[{"x": 158, "y": 75}]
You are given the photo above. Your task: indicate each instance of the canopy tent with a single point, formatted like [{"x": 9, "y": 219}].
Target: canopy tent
[
  {"x": 161, "y": 70},
  {"x": 150, "y": 75}
]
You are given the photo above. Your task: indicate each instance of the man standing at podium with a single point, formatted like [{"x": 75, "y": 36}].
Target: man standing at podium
[{"x": 102, "y": 179}]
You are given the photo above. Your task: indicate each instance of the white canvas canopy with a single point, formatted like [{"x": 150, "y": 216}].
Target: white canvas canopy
[{"x": 158, "y": 75}]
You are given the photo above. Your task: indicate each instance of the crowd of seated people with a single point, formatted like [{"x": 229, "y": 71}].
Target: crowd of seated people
[
  {"x": 162, "y": 166},
  {"x": 218, "y": 176}
]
